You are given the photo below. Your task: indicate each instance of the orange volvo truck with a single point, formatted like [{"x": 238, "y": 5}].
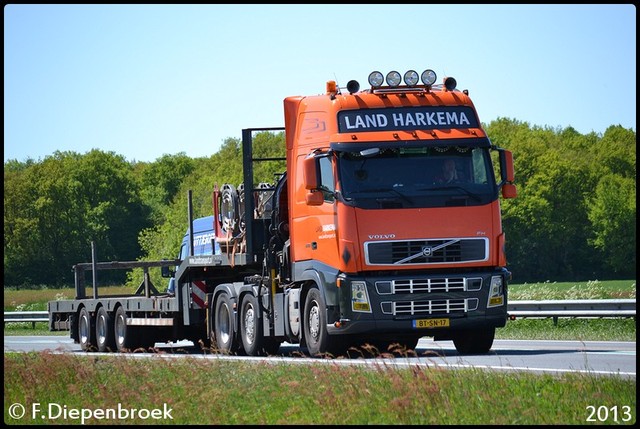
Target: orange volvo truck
[{"x": 384, "y": 228}]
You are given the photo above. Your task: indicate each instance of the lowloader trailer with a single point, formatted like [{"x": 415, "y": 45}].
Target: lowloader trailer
[{"x": 384, "y": 227}]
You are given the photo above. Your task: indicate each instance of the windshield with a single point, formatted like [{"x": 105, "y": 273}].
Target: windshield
[{"x": 416, "y": 177}]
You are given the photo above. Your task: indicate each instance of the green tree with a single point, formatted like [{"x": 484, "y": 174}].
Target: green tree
[
  {"x": 161, "y": 180},
  {"x": 54, "y": 209},
  {"x": 613, "y": 218}
]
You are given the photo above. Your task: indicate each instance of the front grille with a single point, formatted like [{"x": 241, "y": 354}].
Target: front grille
[
  {"x": 428, "y": 285},
  {"x": 430, "y": 308},
  {"x": 439, "y": 251}
]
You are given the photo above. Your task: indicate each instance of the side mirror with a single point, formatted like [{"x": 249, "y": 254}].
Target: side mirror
[
  {"x": 310, "y": 172},
  {"x": 166, "y": 271},
  {"x": 509, "y": 190},
  {"x": 506, "y": 165},
  {"x": 314, "y": 198}
]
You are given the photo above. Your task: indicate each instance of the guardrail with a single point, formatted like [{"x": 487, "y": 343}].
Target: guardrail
[
  {"x": 586, "y": 308},
  {"x": 26, "y": 316}
]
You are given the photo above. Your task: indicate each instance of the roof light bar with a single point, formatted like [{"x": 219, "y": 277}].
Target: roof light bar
[{"x": 410, "y": 78}]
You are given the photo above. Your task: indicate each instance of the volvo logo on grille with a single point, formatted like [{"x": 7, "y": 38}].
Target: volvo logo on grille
[{"x": 427, "y": 250}]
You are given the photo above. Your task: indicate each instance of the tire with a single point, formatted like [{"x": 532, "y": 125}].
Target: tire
[
  {"x": 224, "y": 326},
  {"x": 474, "y": 341},
  {"x": 228, "y": 207},
  {"x": 123, "y": 334},
  {"x": 251, "y": 326},
  {"x": 86, "y": 331},
  {"x": 318, "y": 340},
  {"x": 105, "y": 332}
]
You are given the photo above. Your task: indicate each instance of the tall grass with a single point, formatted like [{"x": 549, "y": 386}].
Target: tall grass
[
  {"x": 592, "y": 289},
  {"x": 223, "y": 393}
]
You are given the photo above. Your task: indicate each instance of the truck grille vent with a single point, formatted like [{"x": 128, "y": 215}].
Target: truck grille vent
[
  {"x": 428, "y": 285},
  {"x": 430, "y": 308},
  {"x": 439, "y": 251}
]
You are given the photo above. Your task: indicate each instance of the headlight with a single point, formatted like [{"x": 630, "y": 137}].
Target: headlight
[
  {"x": 496, "y": 292},
  {"x": 411, "y": 77},
  {"x": 360, "y": 297},
  {"x": 428, "y": 77},
  {"x": 393, "y": 78},
  {"x": 376, "y": 79}
]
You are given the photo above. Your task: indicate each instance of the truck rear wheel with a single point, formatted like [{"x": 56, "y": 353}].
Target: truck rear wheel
[
  {"x": 105, "y": 331},
  {"x": 251, "y": 326},
  {"x": 318, "y": 340},
  {"x": 474, "y": 341},
  {"x": 86, "y": 331},
  {"x": 224, "y": 326}
]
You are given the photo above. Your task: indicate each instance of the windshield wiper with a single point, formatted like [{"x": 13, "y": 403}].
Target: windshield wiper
[
  {"x": 395, "y": 191},
  {"x": 461, "y": 188}
]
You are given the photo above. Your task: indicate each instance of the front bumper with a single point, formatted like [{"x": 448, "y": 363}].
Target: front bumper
[{"x": 427, "y": 304}]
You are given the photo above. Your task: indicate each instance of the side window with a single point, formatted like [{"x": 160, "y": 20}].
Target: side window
[
  {"x": 479, "y": 167},
  {"x": 183, "y": 252},
  {"x": 326, "y": 179}
]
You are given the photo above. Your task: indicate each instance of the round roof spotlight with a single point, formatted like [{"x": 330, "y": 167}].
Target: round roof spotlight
[
  {"x": 428, "y": 77},
  {"x": 393, "y": 78},
  {"x": 411, "y": 77},
  {"x": 376, "y": 79},
  {"x": 353, "y": 86},
  {"x": 450, "y": 83}
]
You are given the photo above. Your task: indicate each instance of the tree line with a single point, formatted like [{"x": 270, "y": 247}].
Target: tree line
[{"x": 574, "y": 218}]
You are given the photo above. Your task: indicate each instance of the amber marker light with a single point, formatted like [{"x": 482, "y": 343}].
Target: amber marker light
[{"x": 332, "y": 87}]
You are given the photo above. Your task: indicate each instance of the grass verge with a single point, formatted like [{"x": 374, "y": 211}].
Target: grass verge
[{"x": 219, "y": 392}]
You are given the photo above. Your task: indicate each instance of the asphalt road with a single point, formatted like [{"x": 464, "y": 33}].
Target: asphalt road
[{"x": 608, "y": 358}]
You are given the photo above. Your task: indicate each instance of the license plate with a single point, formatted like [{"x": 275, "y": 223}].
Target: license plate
[{"x": 431, "y": 323}]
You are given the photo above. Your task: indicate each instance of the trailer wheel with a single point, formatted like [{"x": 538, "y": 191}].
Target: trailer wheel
[
  {"x": 317, "y": 338},
  {"x": 251, "y": 326},
  {"x": 86, "y": 331},
  {"x": 123, "y": 334},
  {"x": 224, "y": 325},
  {"x": 474, "y": 341},
  {"x": 105, "y": 331}
]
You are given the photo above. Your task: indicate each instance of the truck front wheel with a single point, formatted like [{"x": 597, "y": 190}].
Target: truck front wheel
[
  {"x": 316, "y": 335},
  {"x": 474, "y": 341},
  {"x": 86, "y": 331}
]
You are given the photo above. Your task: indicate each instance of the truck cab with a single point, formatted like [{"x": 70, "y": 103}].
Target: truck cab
[
  {"x": 204, "y": 243},
  {"x": 394, "y": 213}
]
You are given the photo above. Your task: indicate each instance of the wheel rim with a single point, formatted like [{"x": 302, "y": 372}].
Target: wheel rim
[
  {"x": 84, "y": 328},
  {"x": 224, "y": 325},
  {"x": 314, "y": 321},
  {"x": 249, "y": 324},
  {"x": 120, "y": 330},
  {"x": 102, "y": 330}
]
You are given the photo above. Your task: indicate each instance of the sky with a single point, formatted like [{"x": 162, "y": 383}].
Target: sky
[{"x": 144, "y": 81}]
